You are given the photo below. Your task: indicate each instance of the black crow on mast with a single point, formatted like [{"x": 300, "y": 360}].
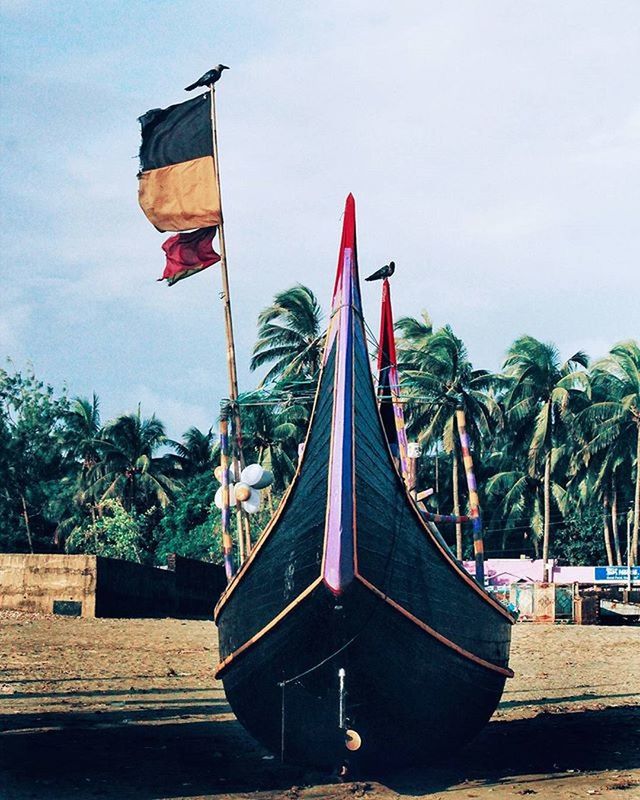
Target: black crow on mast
[
  {"x": 384, "y": 272},
  {"x": 208, "y": 79}
]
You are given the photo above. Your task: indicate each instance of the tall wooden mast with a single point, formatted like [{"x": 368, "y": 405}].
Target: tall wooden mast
[{"x": 244, "y": 540}]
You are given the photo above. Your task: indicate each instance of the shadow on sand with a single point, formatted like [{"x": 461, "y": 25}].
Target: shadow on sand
[
  {"x": 151, "y": 753},
  {"x": 545, "y": 745}
]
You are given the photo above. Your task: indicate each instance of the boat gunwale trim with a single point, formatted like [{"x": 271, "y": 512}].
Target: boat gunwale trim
[{"x": 228, "y": 660}]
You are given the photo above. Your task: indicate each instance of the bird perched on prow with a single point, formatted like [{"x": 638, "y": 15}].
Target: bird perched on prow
[
  {"x": 208, "y": 79},
  {"x": 384, "y": 272}
]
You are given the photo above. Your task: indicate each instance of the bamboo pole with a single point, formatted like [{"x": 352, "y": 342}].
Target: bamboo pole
[
  {"x": 242, "y": 520},
  {"x": 25, "y": 515},
  {"x": 474, "y": 503},
  {"x": 227, "y": 541},
  {"x": 607, "y": 537},
  {"x": 629, "y": 555},
  {"x": 547, "y": 517},
  {"x": 614, "y": 527}
]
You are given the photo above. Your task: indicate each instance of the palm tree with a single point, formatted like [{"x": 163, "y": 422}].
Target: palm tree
[
  {"x": 520, "y": 500},
  {"x": 290, "y": 337},
  {"x": 82, "y": 431},
  {"x": 439, "y": 378},
  {"x": 195, "y": 453},
  {"x": 81, "y": 435},
  {"x": 615, "y": 417},
  {"x": 414, "y": 333},
  {"x": 273, "y": 433},
  {"x": 539, "y": 398},
  {"x": 603, "y": 470},
  {"x": 129, "y": 468}
]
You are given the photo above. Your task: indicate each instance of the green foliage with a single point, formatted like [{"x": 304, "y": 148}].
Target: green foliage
[
  {"x": 33, "y": 460},
  {"x": 272, "y": 432},
  {"x": 190, "y": 526},
  {"x": 116, "y": 533},
  {"x": 129, "y": 468},
  {"x": 197, "y": 452},
  {"x": 290, "y": 337},
  {"x": 556, "y": 447},
  {"x": 579, "y": 540}
]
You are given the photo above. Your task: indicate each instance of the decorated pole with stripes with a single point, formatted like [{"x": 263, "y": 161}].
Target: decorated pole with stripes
[
  {"x": 474, "y": 504},
  {"x": 227, "y": 541},
  {"x": 451, "y": 519}
]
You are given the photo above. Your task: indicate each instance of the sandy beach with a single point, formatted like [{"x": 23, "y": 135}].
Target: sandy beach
[{"x": 96, "y": 708}]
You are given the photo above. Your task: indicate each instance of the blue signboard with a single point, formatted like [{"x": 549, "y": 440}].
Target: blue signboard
[{"x": 619, "y": 574}]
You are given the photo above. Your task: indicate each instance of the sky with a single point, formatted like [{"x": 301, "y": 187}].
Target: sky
[{"x": 493, "y": 149}]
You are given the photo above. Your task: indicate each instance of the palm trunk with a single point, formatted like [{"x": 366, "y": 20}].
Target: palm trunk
[
  {"x": 636, "y": 504},
  {"x": 547, "y": 516},
  {"x": 456, "y": 504},
  {"x": 614, "y": 526},
  {"x": 27, "y": 525},
  {"x": 437, "y": 486},
  {"x": 605, "y": 523}
]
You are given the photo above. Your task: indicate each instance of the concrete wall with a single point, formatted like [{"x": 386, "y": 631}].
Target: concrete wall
[
  {"x": 35, "y": 582},
  {"x": 109, "y": 587}
]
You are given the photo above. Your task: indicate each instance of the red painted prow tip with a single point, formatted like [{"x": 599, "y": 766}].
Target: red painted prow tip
[
  {"x": 349, "y": 223},
  {"x": 348, "y": 239}
]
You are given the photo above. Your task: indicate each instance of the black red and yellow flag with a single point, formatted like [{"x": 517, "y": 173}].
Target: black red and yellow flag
[{"x": 178, "y": 190}]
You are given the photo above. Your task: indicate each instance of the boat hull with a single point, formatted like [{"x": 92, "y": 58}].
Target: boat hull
[
  {"x": 347, "y": 575},
  {"x": 409, "y": 697}
]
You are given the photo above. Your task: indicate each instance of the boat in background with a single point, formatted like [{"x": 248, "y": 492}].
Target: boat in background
[{"x": 351, "y": 633}]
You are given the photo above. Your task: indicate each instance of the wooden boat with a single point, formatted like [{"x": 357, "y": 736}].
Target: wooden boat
[{"x": 351, "y": 633}]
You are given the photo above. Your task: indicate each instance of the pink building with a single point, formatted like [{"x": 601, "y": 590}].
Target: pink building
[{"x": 503, "y": 571}]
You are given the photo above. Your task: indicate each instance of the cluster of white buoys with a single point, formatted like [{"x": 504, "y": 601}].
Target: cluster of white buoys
[{"x": 246, "y": 491}]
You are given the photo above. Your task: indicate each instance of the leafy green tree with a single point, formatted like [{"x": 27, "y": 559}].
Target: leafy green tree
[
  {"x": 116, "y": 533},
  {"x": 290, "y": 337},
  {"x": 577, "y": 541},
  {"x": 32, "y": 460},
  {"x": 191, "y": 524}
]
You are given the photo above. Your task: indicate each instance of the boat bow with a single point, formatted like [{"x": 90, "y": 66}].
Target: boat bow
[{"x": 339, "y": 553}]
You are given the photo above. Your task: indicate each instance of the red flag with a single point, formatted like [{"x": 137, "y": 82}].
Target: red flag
[
  {"x": 389, "y": 384},
  {"x": 188, "y": 253}
]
